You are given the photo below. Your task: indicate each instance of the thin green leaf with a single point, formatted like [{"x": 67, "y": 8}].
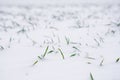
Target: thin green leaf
[
  {"x": 50, "y": 51},
  {"x": 35, "y": 62},
  {"x": 61, "y": 53},
  {"x": 40, "y": 57},
  {"x": 72, "y": 55},
  {"x": 75, "y": 48},
  {"x": 45, "y": 51},
  {"x": 117, "y": 60},
  {"x": 91, "y": 76},
  {"x": 67, "y": 40}
]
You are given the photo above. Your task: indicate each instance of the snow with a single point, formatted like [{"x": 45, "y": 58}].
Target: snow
[
  {"x": 89, "y": 31},
  {"x": 54, "y": 2}
]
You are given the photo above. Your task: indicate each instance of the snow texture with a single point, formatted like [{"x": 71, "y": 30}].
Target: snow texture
[{"x": 88, "y": 36}]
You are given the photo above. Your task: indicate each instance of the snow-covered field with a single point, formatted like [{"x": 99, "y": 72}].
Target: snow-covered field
[{"x": 60, "y": 42}]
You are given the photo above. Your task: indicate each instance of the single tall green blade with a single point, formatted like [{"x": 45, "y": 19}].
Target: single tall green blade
[
  {"x": 45, "y": 51},
  {"x": 91, "y": 76},
  {"x": 61, "y": 53}
]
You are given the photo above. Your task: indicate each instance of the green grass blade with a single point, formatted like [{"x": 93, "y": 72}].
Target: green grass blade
[
  {"x": 35, "y": 62},
  {"x": 75, "y": 48},
  {"x": 117, "y": 60},
  {"x": 67, "y": 40},
  {"x": 72, "y": 55},
  {"x": 61, "y": 53},
  {"x": 40, "y": 57},
  {"x": 91, "y": 76},
  {"x": 45, "y": 51},
  {"x": 50, "y": 51}
]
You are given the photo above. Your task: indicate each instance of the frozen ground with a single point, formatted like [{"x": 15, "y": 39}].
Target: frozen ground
[{"x": 88, "y": 36}]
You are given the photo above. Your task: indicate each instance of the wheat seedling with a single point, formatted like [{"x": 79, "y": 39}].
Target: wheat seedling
[
  {"x": 117, "y": 60},
  {"x": 61, "y": 53},
  {"x": 45, "y": 51},
  {"x": 91, "y": 76},
  {"x": 67, "y": 40},
  {"x": 35, "y": 62}
]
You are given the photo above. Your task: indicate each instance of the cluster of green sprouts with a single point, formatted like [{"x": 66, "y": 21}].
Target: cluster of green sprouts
[
  {"x": 42, "y": 57},
  {"x": 47, "y": 51}
]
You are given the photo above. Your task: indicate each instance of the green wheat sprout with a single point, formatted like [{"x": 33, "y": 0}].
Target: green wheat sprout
[{"x": 61, "y": 53}]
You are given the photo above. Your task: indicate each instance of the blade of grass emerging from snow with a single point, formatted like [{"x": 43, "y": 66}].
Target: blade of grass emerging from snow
[
  {"x": 72, "y": 55},
  {"x": 117, "y": 60},
  {"x": 67, "y": 40},
  {"x": 45, "y": 51},
  {"x": 75, "y": 48},
  {"x": 91, "y": 76},
  {"x": 50, "y": 51},
  {"x": 40, "y": 57},
  {"x": 61, "y": 53},
  {"x": 35, "y": 62},
  {"x": 101, "y": 63}
]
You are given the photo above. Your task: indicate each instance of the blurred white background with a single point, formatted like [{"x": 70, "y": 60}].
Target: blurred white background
[{"x": 38, "y": 2}]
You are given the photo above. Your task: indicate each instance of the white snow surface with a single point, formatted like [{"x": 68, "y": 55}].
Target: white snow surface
[
  {"x": 88, "y": 32},
  {"x": 54, "y": 2}
]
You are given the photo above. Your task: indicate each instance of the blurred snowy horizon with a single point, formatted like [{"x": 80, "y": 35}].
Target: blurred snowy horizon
[{"x": 57, "y": 2}]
